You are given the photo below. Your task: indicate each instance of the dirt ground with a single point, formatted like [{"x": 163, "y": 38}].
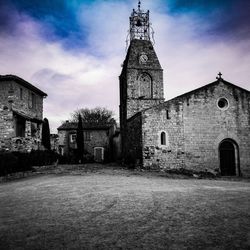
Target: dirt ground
[{"x": 94, "y": 208}]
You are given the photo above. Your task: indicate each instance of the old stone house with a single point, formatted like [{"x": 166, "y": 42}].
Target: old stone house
[
  {"x": 21, "y": 114},
  {"x": 97, "y": 140},
  {"x": 207, "y": 129}
]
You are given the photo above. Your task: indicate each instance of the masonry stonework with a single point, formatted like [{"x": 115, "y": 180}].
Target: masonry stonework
[
  {"x": 166, "y": 118},
  {"x": 94, "y": 136},
  {"x": 195, "y": 126},
  {"x": 135, "y": 75},
  {"x": 134, "y": 143},
  {"x": 21, "y": 113},
  {"x": 207, "y": 129}
]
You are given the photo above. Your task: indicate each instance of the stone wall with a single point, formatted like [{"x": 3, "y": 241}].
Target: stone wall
[
  {"x": 21, "y": 144},
  {"x": 15, "y": 101},
  {"x": 97, "y": 138},
  {"x": 166, "y": 118},
  {"x": 21, "y": 104},
  {"x": 195, "y": 126},
  {"x": 6, "y": 123},
  {"x": 63, "y": 141},
  {"x": 206, "y": 125},
  {"x": 132, "y": 84},
  {"x": 116, "y": 144},
  {"x": 133, "y": 145}
]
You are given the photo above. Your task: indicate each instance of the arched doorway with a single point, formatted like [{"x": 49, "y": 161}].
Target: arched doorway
[{"x": 228, "y": 150}]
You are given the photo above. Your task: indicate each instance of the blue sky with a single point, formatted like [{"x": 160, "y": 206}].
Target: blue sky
[{"x": 73, "y": 49}]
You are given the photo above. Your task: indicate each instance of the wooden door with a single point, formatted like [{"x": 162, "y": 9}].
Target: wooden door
[{"x": 227, "y": 158}]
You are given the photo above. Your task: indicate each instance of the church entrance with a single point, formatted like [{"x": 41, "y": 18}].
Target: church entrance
[{"x": 228, "y": 157}]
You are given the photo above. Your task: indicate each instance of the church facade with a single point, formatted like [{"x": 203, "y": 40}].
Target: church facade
[{"x": 207, "y": 129}]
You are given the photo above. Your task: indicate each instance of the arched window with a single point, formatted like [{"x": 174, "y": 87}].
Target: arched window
[
  {"x": 163, "y": 138},
  {"x": 145, "y": 83}
]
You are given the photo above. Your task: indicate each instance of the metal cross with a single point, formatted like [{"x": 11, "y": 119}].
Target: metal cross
[{"x": 219, "y": 75}]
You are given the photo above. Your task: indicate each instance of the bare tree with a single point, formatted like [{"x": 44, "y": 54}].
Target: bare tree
[{"x": 98, "y": 115}]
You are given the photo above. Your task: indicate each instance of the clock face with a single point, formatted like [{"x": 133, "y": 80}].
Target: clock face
[{"x": 143, "y": 58}]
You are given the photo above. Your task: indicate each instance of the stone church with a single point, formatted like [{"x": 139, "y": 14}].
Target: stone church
[{"x": 206, "y": 129}]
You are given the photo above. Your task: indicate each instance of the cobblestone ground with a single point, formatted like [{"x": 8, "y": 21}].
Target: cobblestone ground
[{"x": 72, "y": 207}]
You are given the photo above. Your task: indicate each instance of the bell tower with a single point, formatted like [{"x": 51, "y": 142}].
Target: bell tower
[{"x": 141, "y": 79}]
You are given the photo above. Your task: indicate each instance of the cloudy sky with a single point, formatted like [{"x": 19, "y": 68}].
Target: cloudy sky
[{"x": 73, "y": 49}]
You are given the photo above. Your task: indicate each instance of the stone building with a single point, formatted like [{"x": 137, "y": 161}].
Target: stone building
[
  {"x": 97, "y": 140},
  {"x": 207, "y": 129},
  {"x": 21, "y": 114}
]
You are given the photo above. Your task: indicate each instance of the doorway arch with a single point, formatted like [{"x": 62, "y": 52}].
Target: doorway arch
[{"x": 229, "y": 157}]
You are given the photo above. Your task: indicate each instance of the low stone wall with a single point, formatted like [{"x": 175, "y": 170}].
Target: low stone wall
[{"x": 22, "y": 144}]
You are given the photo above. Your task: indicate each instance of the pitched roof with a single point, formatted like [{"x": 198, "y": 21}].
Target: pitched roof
[
  {"x": 86, "y": 126},
  {"x": 23, "y": 83},
  {"x": 195, "y": 91},
  {"x": 208, "y": 86}
]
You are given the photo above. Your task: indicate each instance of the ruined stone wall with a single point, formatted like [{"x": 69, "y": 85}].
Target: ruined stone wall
[
  {"x": 206, "y": 125},
  {"x": 166, "y": 118},
  {"x": 133, "y": 145}
]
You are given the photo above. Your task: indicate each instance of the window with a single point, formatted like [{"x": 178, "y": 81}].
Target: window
[
  {"x": 145, "y": 84},
  {"x": 163, "y": 138},
  {"x": 73, "y": 138},
  {"x": 223, "y": 103},
  {"x": 32, "y": 100},
  {"x": 167, "y": 114},
  {"x": 21, "y": 94},
  {"x": 33, "y": 129},
  {"x": 87, "y": 136},
  {"x": 20, "y": 127}
]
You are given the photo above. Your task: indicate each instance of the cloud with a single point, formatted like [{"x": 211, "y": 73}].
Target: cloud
[
  {"x": 86, "y": 75},
  {"x": 223, "y": 19},
  {"x": 190, "y": 61}
]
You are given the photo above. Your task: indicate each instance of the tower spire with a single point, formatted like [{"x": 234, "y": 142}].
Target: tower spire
[
  {"x": 139, "y": 5},
  {"x": 139, "y": 24}
]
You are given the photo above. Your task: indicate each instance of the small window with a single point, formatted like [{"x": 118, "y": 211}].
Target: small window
[
  {"x": 223, "y": 104},
  {"x": 73, "y": 138},
  {"x": 21, "y": 94},
  {"x": 33, "y": 99},
  {"x": 163, "y": 138},
  {"x": 87, "y": 136},
  {"x": 167, "y": 114},
  {"x": 33, "y": 129}
]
